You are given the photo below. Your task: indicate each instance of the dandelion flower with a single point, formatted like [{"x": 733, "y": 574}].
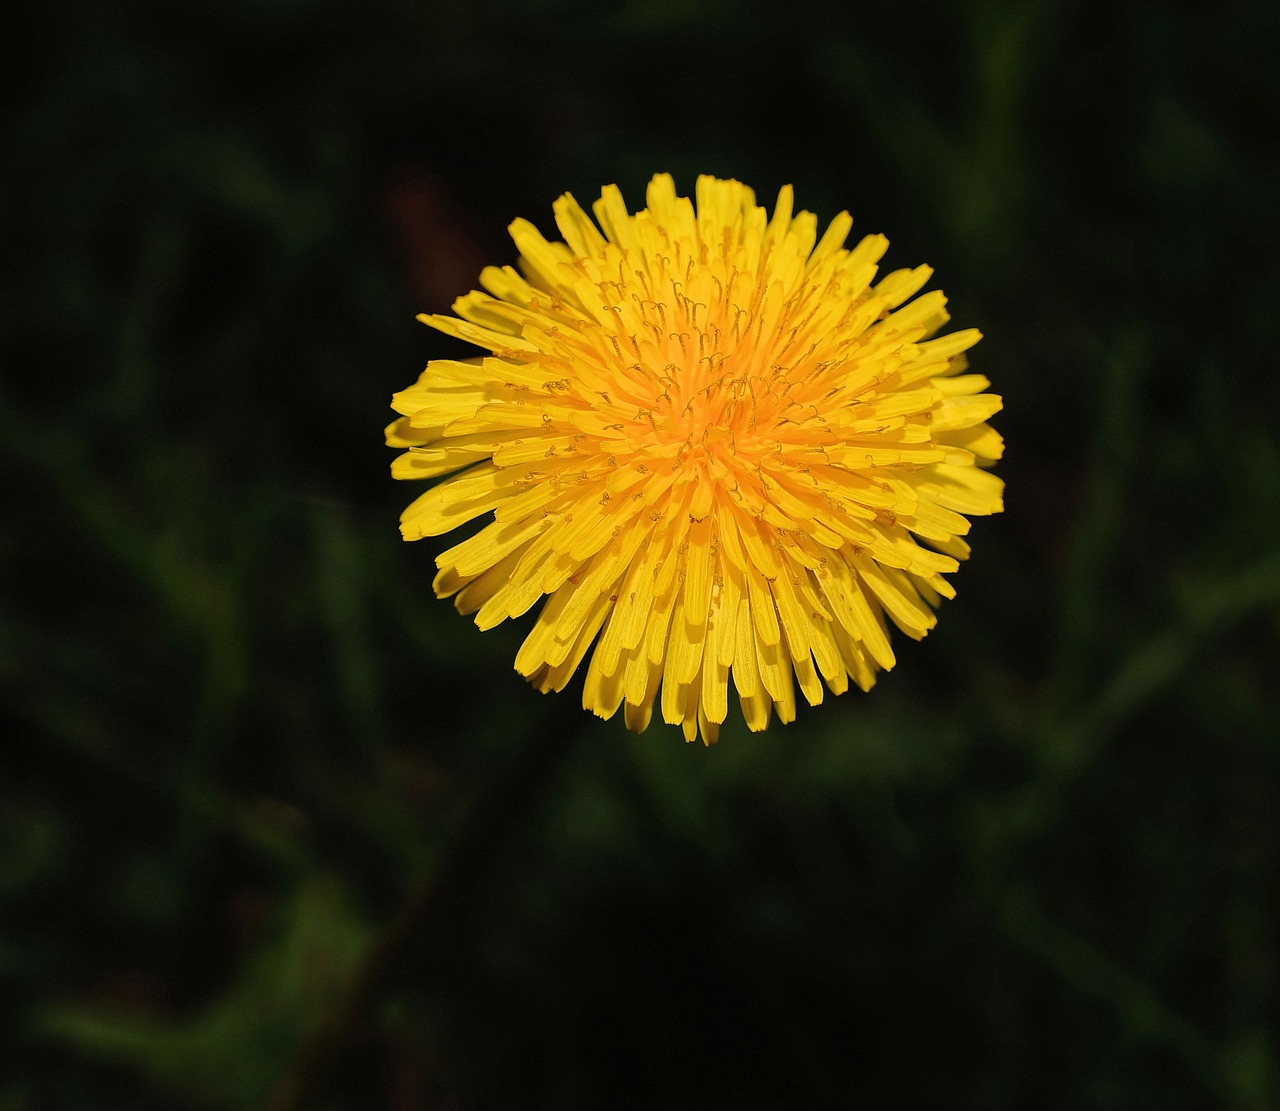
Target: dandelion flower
[{"x": 713, "y": 445}]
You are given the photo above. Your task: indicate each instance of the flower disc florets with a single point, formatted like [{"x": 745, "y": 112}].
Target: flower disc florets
[{"x": 711, "y": 443}]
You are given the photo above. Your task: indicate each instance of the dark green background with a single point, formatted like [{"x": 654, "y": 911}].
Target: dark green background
[{"x": 1035, "y": 867}]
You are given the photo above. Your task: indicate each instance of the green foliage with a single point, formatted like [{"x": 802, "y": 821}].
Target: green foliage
[
  {"x": 1036, "y": 866},
  {"x": 234, "y": 1048}
]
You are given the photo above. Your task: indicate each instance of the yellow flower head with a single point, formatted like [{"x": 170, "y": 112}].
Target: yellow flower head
[{"x": 713, "y": 445}]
